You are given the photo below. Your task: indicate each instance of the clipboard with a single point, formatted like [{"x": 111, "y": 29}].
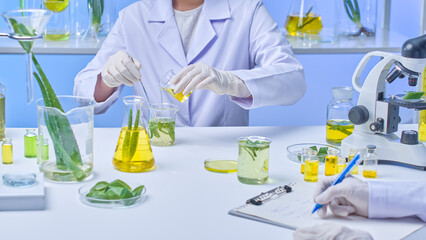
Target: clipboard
[{"x": 294, "y": 209}]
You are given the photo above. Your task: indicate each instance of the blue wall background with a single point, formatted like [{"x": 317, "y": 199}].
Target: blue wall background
[{"x": 323, "y": 71}]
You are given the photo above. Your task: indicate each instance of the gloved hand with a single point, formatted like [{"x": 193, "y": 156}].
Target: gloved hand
[
  {"x": 121, "y": 69},
  {"x": 330, "y": 231},
  {"x": 349, "y": 196},
  {"x": 202, "y": 76}
]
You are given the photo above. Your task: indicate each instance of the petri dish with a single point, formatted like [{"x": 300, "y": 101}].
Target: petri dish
[
  {"x": 20, "y": 180},
  {"x": 221, "y": 166},
  {"x": 295, "y": 151}
]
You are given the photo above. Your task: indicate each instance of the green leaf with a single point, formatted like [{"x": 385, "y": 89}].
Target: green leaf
[
  {"x": 314, "y": 148},
  {"x": 135, "y": 136},
  {"x": 413, "y": 95},
  {"x": 119, "y": 183},
  {"x": 126, "y": 194},
  {"x": 100, "y": 186},
  {"x": 126, "y": 140},
  {"x": 137, "y": 191}
]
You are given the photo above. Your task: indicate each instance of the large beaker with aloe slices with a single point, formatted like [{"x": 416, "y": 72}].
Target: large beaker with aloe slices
[
  {"x": 161, "y": 124},
  {"x": 253, "y": 159},
  {"x": 133, "y": 152}
]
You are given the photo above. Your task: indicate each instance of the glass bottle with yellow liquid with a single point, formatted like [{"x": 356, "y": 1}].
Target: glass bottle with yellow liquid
[
  {"x": 167, "y": 86},
  {"x": 7, "y": 151},
  {"x": 58, "y": 27},
  {"x": 352, "y": 153},
  {"x": 422, "y": 120},
  {"x": 331, "y": 162},
  {"x": 133, "y": 152},
  {"x": 311, "y": 167},
  {"x": 370, "y": 162},
  {"x": 303, "y": 19},
  {"x": 338, "y": 124},
  {"x": 2, "y": 111}
]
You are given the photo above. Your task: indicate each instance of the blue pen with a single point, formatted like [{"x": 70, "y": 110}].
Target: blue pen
[{"x": 354, "y": 162}]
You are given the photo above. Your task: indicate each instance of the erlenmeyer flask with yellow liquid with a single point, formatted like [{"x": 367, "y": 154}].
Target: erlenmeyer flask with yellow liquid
[
  {"x": 167, "y": 86},
  {"x": 303, "y": 18},
  {"x": 133, "y": 152}
]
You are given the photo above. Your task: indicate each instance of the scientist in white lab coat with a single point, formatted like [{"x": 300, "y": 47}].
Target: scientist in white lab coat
[
  {"x": 230, "y": 51},
  {"x": 368, "y": 199}
]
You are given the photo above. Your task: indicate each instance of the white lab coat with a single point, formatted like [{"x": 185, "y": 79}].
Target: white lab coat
[
  {"x": 397, "y": 199},
  {"x": 231, "y": 35}
]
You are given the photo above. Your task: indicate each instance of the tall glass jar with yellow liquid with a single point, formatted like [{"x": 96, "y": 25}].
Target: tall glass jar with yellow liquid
[
  {"x": 422, "y": 120},
  {"x": 133, "y": 152},
  {"x": 58, "y": 27},
  {"x": 338, "y": 124},
  {"x": 303, "y": 19}
]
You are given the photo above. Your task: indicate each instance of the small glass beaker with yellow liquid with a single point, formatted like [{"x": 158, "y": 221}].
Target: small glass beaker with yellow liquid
[
  {"x": 338, "y": 124},
  {"x": 161, "y": 124},
  {"x": 58, "y": 28},
  {"x": 311, "y": 167},
  {"x": 253, "y": 159},
  {"x": 331, "y": 162},
  {"x": 305, "y": 154},
  {"x": 370, "y": 162},
  {"x": 133, "y": 152},
  {"x": 303, "y": 19},
  {"x": 341, "y": 164},
  {"x": 167, "y": 86}
]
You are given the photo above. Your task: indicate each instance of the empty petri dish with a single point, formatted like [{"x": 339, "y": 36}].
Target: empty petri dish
[
  {"x": 19, "y": 180},
  {"x": 221, "y": 166}
]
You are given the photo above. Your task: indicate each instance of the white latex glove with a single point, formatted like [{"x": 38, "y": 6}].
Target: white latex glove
[
  {"x": 121, "y": 69},
  {"x": 330, "y": 231},
  {"x": 202, "y": 76},
  {"x": 349, "y": 196}
]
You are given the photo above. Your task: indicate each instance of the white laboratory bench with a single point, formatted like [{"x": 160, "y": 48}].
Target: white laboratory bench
[{"x": 184, "y": 201}]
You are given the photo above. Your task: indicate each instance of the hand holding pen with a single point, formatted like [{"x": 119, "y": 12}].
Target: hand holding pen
[{"x": 343, "y": 197}]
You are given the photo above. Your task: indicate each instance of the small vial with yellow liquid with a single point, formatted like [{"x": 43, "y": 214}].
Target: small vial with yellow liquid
[
  {"x": 303, "y": 157},
  {"x": 331, "y": 162},
  {"x": 30, "y": 144},
  {"x": 311, "y": 167},
  {"x": 7, "y": 151},
  {"x": 352, "y": 154},
  {"x": 341, "y": 164},
  {"x": 370, "y": 162},
  {"x": 422, "y": 119}
]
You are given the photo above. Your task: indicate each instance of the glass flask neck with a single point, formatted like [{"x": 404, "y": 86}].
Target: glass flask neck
[
  {"x": 342, "y": 94},
  {"x": 133, "y": 112}
]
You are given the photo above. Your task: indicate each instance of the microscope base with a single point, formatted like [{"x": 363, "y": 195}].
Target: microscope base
[{"x": 389, "y": 149}]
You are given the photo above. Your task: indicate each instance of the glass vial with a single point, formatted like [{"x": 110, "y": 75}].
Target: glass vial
[
  {"x": 303, "y": 157},
  {"x": 30, "y": 144},
  {"x": 370, "y": 162},
  {"x": 331, "y": 162},
  {"x": 338, "y": 124},
  {"x": 253, "y": 159},
  {"x": 341, "y": 164},
  {"x": 311, "y": 167},
  {"x": 2, "y": 111},
  {"x": 422, "y": 119},
  {"x": 352, "y": 153},
  {"x": 7, "y": 151}
]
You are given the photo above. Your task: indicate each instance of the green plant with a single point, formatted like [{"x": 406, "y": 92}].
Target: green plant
[
  {"x": 253, "y": 147},
  {"x": 306, "y": 21},
  {"x": 413, "y": 95},
  {"x": 131, "y": 137},
  {"x": 115, "y": 190},
  {"x": 97, "y": 7},
  {"x": 354, "y": 13}
]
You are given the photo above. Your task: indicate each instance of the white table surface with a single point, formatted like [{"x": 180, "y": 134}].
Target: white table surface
[{"x": 184, "y": 201}]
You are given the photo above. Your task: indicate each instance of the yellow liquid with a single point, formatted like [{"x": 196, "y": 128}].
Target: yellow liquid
[
  {"x": 330, "y": 165},
  {"x": 311, "y": 171},
  {"x": 57, "y": 37},
  {"x": 337, "y": 130},
  {"x": 422, "y": 120},
  {"x": 253, "y": 168},
  {"x": 355, "y": 170},
  {"x": 369, "y": 173},
  {"x": 179, "y": 96},
  {"x": 142, "y": 160},
  {"x": 340, "y": 167},
  {"x": 7, "y": 154},
  {"x": 302, "y": 168},
  {"x": 221, "y": 166},
  {"x": 2, "y": 117},
  {"x": 56, "y": 6},
  {"x": 294, "y": 28}
]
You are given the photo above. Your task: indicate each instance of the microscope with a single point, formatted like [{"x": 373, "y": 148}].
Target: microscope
[{"x": 376, "y": 117}]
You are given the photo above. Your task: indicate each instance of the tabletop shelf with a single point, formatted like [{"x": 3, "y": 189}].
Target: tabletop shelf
[{"x": 387, "y": 41}]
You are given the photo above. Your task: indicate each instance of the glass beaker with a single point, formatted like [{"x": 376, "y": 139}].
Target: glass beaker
[
  {"x": 167, "y": 86},
  {"x": 2, "y": 111},
  {"x": 355, "y": 18},
  {"x": 331, "y": 162},
  {"x": 58, "y": 28},
  {"x": 79, "y": 17},
  {"x": 70, "y": 132},
  {"x": 133, "y": 152},
  {"x": 253, "y": 159},
  {"x": 338, "y": 124},
  {"x": 311, "y": 167},
  {"x": 102, "y": 16},
  {"x": 303, "y": 19},
  {"x": 161, "y": 124}
]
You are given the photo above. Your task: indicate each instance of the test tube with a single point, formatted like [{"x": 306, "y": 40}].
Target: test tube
[
  {"x": 7, "y": 151},
  {"x": 352, "y": 153},
  {"x": 370, "y": 162},
  {"x": 311, "y": 167},
  {"x": 331, "y": 162},
  {"x": 341, "y": 164}
]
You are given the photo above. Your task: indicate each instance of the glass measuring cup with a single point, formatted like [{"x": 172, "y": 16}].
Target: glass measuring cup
[
  {"x": 167, "y": 86},
  {"x": 161, "y": 124}
]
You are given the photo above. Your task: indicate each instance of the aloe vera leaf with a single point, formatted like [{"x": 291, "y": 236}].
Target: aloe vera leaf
[
  {"x": 347, "y": 10},
  {"x": 126, "y": 140},
  {"x": 137, "y": 191},
  {"x": 97, "y": 11},
  {"x": 120, "y": 183},
  {"x": 135, "y": 136},
  {"x": 20, "y": 29},
  {"x": 413, "y": 95}
]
